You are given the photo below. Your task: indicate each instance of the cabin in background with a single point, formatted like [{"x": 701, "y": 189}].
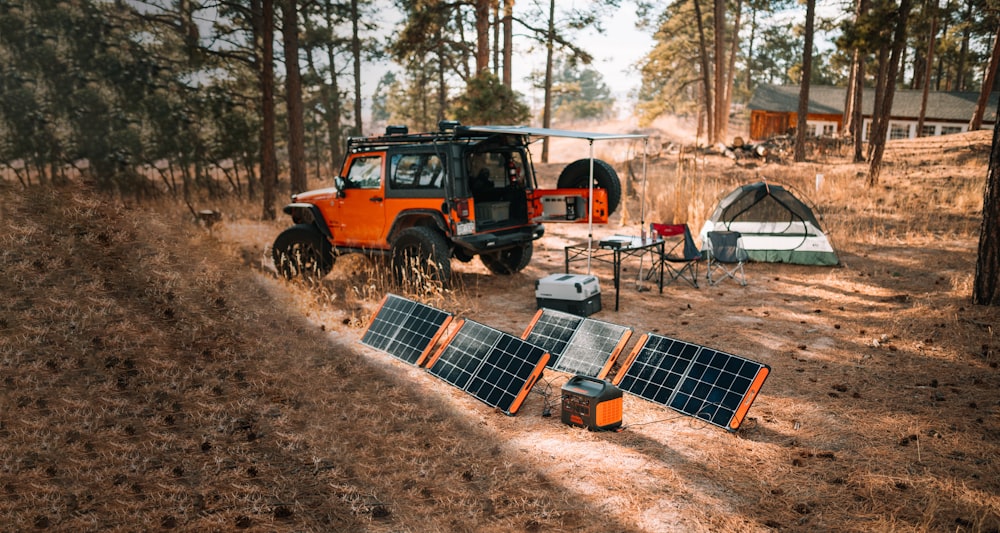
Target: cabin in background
[{"x": 774, "y": 111}]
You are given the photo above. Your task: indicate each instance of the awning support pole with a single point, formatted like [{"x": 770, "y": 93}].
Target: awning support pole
[{"x": 590, "y": 210}]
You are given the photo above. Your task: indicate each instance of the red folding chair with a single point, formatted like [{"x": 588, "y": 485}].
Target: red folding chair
[{"x": 680, "y": 256}]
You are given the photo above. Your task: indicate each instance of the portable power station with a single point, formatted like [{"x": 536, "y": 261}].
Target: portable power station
[{"x": 591, "y": 403}]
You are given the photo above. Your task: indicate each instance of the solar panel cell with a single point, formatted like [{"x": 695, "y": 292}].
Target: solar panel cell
[
  {"x": 702, "y": 382},
  {"x": 580, "y": 346},
  {"x": 552, "y": 330},
  {"x": 405, "y": 329},
  {"x": 494, "y": 367}
]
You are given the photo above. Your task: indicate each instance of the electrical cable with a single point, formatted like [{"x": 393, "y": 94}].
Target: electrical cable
[{"x": 546, "y": 394}]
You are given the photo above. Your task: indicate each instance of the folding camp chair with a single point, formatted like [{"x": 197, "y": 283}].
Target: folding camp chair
[
  {"x": 680, "y": 255},
  {"x": 726, "y": 257}
]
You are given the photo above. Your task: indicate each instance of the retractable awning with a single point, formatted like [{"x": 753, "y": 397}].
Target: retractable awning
[
  {"x": 551, "y": 132},
  {"x": 590, "y": 137}
]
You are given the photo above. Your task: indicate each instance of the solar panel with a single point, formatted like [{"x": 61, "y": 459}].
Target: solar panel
[
  {"x": 494, "y": 367},
  {"x": 405, "y": 329},
  {"x": 695, "y": 380},
  {"x": 552, "y": 330},
  {"x": 581, "y": 346}
]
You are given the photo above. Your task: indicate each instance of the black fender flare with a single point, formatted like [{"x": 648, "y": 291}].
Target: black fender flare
[
  {"x": 305, "y": 213},
  {"x": 419, "y": 217}
]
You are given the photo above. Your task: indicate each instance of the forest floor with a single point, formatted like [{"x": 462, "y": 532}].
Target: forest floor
[{"x": 158, "y": 375}]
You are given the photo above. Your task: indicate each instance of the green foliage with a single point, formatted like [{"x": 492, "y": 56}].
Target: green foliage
[
  {"x": 380, "y": 99},
  {"x": 77, "y": 82},
  {"x": 488, "y": 101},
  {"x": 125, "y": 85},
  {"x": 436, "y": 32},
  {"x": 580, "y": 93},
  {"x": 671, "y": 71},
  {"x": 411, "y": 101},
  {"x": 778, "y": 57}
]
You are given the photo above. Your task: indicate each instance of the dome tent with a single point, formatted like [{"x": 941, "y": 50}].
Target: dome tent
[{"x": 776, "y": 226}]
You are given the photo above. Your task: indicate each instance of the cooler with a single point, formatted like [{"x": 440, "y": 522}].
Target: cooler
[{"x": 578, "y": 294}]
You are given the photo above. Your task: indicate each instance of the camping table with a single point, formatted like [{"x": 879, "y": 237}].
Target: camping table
[{"x": 616, "y": 248}]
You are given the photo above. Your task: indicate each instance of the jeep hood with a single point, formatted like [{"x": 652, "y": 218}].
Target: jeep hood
[{"x": 315, "y": 196}]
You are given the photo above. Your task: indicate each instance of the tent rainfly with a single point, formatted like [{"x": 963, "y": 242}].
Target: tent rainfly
[{"x": 776, "y": 226}]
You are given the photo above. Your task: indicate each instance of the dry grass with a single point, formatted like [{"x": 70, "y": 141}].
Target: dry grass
[{"x": 157, "y": 375}]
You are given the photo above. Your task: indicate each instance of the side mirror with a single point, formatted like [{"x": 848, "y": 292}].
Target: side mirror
[{"x": 339, "y": 184}]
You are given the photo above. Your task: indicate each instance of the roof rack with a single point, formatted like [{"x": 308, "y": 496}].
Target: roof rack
[{"x": 395, "y": 134}]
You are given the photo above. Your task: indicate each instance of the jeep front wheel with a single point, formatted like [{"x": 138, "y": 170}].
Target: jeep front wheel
[
  {"x": 509, "y": 261},
  {"x": 302, "y": 251},
  {"x": 576, "y": 175},
  {"x": 421, "y": 252}
]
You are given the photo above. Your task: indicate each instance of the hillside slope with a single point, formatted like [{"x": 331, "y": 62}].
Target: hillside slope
[
  {"x": 157, "y": 375},
  {"x": 151, "y": 382}
]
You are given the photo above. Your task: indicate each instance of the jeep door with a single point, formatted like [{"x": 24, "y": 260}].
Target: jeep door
[{"x": 361, "y": 207}]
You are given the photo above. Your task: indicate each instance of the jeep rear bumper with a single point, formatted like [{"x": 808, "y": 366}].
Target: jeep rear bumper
[{"x": 490, "y": 242}]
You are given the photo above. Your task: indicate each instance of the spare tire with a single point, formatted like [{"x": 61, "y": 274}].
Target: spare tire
[{"x": 577, "y": 173}]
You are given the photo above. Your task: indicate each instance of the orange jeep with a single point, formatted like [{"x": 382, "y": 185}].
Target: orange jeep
[{"x": 427, "y": 197}]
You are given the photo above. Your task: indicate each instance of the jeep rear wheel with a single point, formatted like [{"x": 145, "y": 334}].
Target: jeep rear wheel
[
  {"x": 302, "y": 251},
  {"x": 509, "y": 261},
  {"x": 421, "y": 252},
  {"x": 577, "y": 174}
]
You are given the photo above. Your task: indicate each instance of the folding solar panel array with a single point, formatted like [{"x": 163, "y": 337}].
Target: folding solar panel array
[
  {"x": 405, "y": 329},
  {"x": 578, "y": 345},
  {"x": 494, "y": 367},
  {"x": 701, "y": 382},
  {"x": 500, "y": 369}
]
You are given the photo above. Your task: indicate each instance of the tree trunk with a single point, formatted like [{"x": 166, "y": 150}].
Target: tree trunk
[
  {"x": 495, "y": 15},
  {"x": 986, "y": 285},
  {"x": 721, "y": 112},
  {"x": 508, "y": 41},
  {"x": 332, "y": 95},
  {"x": 963, "y": 52},
  {"x": 941, "y": 81},
  {"x": 442, "y": 96},
  {"x": 847, "y": 119},
  {"x": 928, "y": 61},
  {"x": 293, "y": 98},
  {"x": 988, "y": 80},
  {"x": 803, "y": 111},
  {"x": 858, "y": 123},
  {"x": 252, "y": 179},
  {"x": 750, "y": 43},
  {"x": 356, "y": 56},
  {"x": 706, "y": 75},
  {"x": 482, "y": 35},
  {"x": 852, "y": 99},
  {"x": 268, "y": 158},
  {"x": 731, "y": 66},
  {"x": 878, "y": 115},
  {"x": 547, "y": 106},
  {"x": 879, "y": 136}
]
